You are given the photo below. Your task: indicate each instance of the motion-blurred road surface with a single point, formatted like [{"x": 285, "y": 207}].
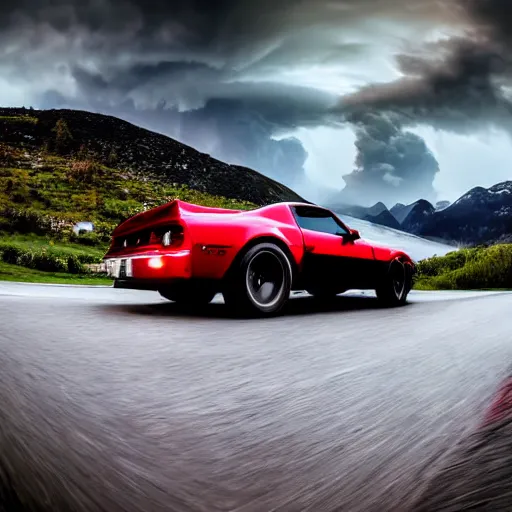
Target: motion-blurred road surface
[{"x": 117, "y": 400}]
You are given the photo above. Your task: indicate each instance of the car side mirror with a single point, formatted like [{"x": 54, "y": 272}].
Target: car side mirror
[
  {"x": 355, "y": 234},
  {"x": 352, "y": 235}
]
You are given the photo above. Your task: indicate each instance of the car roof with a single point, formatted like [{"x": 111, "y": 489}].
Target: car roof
[
  {"x": 191, "y": 208},
  {"x": 293, "y": 203}
]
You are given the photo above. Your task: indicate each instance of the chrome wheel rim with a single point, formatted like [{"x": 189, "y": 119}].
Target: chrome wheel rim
[{"x": 265, "y": 279}]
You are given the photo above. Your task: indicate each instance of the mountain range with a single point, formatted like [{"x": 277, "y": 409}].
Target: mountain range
[{"x": 481, "y": 216}]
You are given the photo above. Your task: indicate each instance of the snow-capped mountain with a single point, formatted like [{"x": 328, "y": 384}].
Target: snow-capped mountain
[{"x": 480, "y": 216}]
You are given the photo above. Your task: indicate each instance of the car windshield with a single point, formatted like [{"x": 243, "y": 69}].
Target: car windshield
[{"x": 317, "y": 219}]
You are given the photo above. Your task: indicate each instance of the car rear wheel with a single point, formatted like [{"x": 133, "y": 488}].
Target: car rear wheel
[
  {"x": 395, "y": 285},
  {"x": 188, "y": 295},
  {"x": 260, "y": 281}
]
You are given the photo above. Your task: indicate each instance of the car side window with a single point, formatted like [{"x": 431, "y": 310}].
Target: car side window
[{"x": 316, "y": 219}]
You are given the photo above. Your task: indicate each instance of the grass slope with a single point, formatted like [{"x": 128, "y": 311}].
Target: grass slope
[
  {"x": 31, "y": 242},
  {"x": 478, "y": 268},
  {"x": 144, "y": 154},
  {"x": 47, "y": 194},
  {"x": 21, "y": 274}
]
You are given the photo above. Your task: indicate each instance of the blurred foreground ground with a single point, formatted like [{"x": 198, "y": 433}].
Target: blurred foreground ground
[{"x": 117, "y": 400}]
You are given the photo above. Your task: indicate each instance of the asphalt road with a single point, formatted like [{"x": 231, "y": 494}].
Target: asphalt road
[{"x": 116, "y": 400}]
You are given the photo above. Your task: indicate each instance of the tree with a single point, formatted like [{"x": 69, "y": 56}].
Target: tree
[
  {"x": 112, "y": 158},
  {"x": 45, "y": 149},
  {"x": 63, "y": 136}
]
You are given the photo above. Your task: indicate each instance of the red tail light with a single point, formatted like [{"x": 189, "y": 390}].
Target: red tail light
[{"x": 170, "y": 236}]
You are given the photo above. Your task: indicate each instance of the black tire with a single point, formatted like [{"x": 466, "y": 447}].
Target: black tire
[
  {"x": 395, "y": 285},
  {"x": 188, "y": 295},
  {"x": 245, "y": 291}
]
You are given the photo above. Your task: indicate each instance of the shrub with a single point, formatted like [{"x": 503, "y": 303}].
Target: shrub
[
  {"x": 89, "y": 239},
  {"x": 112, "y": 158},
  {"x": 37, "y": 260},
  {"x": 10, "y": 254},
  {"x": 120, "y": 210},
  {"x": 25, "y": 221},
  {"x": 75, "y": 266},
  {"x": 48, "y": 260},
  {"x": 7, "y": 156},
  {"x": 85, "y": 171},
  {"x": 452, "y": 261},
  {"x": 477, "y": 268}
]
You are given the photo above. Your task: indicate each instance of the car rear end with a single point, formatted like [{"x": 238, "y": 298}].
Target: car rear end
[{"x": 150, "y": 250}]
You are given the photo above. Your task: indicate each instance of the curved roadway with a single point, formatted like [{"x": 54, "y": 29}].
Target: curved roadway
[{"x": 116, "y": 400}]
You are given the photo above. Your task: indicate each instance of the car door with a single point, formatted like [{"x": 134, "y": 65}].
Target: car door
[{"x": 331, "y": 256}]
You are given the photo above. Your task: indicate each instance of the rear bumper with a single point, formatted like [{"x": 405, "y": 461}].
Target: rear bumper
[{"x": 148, "y": 268}]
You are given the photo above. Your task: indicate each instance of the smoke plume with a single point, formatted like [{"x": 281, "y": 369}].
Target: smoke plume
[{"x": 392, "y": 164}]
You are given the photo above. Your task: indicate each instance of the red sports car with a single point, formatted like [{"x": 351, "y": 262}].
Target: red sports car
[{"x": 188, "y": 253}]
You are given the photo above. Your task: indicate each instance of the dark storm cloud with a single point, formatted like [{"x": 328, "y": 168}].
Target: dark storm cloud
[
  {"x": 191, "y": 86},
  {"x": 206, "y": 72},
  {"x": 142, "y": 40},
  {"x": 209, "y": 63},
  {"x": 457, "y": 84},
  {"x": 238, "y": 124},
  {"x": 204, "y": 22},
  {"x": 123, "y": 81},
  {"x": 243, "y": 134}
]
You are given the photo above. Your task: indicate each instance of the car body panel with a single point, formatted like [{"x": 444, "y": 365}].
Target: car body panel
[
  {"x": 207, "y": 240},
  {"x": 216, "y": 240},
  {"x": 328, "y": 258},
  {"x": 383, "y": 253}
]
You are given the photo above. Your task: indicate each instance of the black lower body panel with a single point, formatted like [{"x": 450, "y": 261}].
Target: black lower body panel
[
  {"x": 343, "y": 272},
  {"x": 141, "y": 284},
  {"x": 131, "y": 283}
]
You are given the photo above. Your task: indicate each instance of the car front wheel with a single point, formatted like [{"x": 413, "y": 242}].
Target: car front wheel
[
  {"x": 259, "y": 282},
  {"x": 395, "y": 285}
]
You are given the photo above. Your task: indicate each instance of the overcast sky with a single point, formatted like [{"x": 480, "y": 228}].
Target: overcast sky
[{"x": 388, "y": 100}]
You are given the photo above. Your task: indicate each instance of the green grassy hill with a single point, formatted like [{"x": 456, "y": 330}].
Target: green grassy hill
[
  {"x": 143, "y": 154},
  {"x": 44, "y": 193},
  {"x": 48, "y": 185}
]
